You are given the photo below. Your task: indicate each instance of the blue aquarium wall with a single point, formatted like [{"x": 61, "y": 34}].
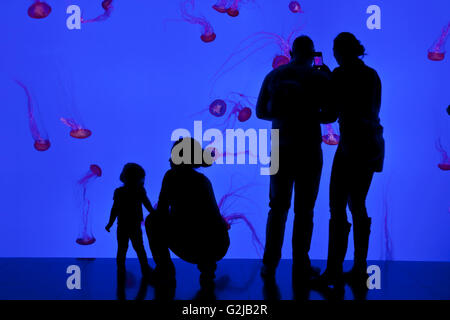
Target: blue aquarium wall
[{"x": 143, "y": 72}]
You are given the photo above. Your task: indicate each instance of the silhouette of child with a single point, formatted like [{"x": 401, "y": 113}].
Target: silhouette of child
[
  {"x": 187, "y": 220},
  {"x": 127, "y": 208}
]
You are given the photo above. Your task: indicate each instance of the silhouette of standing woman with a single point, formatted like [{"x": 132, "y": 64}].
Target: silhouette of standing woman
[
  {"x": 187, "y": 219},
  {"x": 356, "y": 101}
]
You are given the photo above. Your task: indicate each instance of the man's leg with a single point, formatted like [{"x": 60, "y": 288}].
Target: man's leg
[
  {"x": 281, "y": 185},
  {"x": 156, "y": 229},
  {"x": 306, "y": 188}
]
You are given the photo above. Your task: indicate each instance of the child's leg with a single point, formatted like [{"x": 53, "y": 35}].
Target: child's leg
[
  {"x": 122, "y": 247},
  {"x": 138, "y": 245}
]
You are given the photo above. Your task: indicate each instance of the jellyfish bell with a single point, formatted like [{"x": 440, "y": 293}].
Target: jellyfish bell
[
  {"x": 218, "y": 108},
  {"x": 39, "y": 10},
  {"x": 444, "y": 166},
  {"x": 295, "y": 7},
  {"x": 85, "y": 240},
  {"x": 80, "y": 133},
  {"x": 220, "y": 6},
  {"x": 42, "y": 145},
  {"x": 95, "y": 169},
  {"x": 106, "y": 4},
  {"x": 233, "y": 12},
  {"x": 280, "y": 60},
  {"x": 436, "y": 55},
  {"x": 208, "y": 37},
  {"x": 244, "y": 114},
  {"x": 331, "y": 139}
]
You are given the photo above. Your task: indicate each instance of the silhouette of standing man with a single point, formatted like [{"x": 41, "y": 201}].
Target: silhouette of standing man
[{"x": 291, "y": 97}]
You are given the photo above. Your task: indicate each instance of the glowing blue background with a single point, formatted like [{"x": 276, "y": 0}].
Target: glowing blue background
[{"x": 136, "y": 78}]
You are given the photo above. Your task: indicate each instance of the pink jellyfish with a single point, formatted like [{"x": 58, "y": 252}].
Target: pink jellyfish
[
  {"x": 225, "y": 205},
  {"x": 72, "y": 118},
  {"x": 295, "y": 7},
  {"x": 233, "y": 10},
  {"x": 330, "y": 137},
  {"x": 437, "y": 50},
  {"x": 77, "y": 131},
  {"x": 221, "y": 6},
  {"x": 218, "y": 108},
  {"x": 39, "y": 10},
  {"x": 241, "y": 108},
  {"x": 445, "y": 163},
  {"x": 208, "y": 34},
  {"x": 85, "y": 237},
  {"x": 254, "y": 43},
  {"x": 40, "y": 137},
  {"x": 108, "y": 9}
]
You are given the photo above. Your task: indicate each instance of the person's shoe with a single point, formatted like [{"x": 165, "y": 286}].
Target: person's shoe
[
  {"x": 304, "y": 275},
  {"x": 356, "y": 276},
  {"x": 268, "y": 272}
]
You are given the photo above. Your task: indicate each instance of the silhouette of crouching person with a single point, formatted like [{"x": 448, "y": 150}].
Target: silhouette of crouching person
[{"x": 187, "y": 219}]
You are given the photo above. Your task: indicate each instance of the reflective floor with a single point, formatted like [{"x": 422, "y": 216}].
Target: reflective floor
[{"x": 237, "y": 279}]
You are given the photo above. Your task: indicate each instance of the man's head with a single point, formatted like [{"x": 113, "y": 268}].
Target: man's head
[{"x": 303, "y": 50}]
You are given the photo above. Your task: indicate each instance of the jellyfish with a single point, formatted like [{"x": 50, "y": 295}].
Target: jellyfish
[
  {"x": 221, "y": 6},
  {"x": 208, "y": 34},
  {"x": 233, "y": 10},
  {"x": 77, "y": 131},
  {"x": 218, "y": 108},
  {"x": 437, "y": 50},
  {"x": 448, "y": 110},
  {"x": 85, "y": 237},
  {"x": 72, "y": 118},
  {"x": 39, "y": 10},
  {"x": 40, "y": 137},
  {"x": 225, "y": 206},
  {"x": 295, "y": 7},
  {"x": 254, "y": 43},
  {"x": 108, "y": 9},
  {"x": 330, "y": 137},
  {"x": 445, "y": 162},
  {"x": 241, "y": 108}
]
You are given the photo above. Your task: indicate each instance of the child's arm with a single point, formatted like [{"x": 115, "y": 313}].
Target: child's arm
[
  {"x": 114, "y": 213},
  {"x": 147, "y": 204},
  {"x": 112, "y": 217}
]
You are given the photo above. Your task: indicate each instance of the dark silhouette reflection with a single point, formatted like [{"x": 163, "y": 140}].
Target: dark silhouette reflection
[
  {"x": 187, "y": 220},
  {"x": 356, "y": 100},
  {"x": 206, "y": 293},
  {"x": 359, "y": 290},
  {"x": 165, "y": 290},
  {"x": 271, "y": 291},
  {"x": 122, "y": 284},
  {"x": 127, "y": 208},
  {"x": 291, "y": 97},
  {"x": 331, "y": 293}
]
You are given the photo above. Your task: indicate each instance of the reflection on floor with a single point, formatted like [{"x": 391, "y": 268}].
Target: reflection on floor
[{"x": 237, "y": 279}]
